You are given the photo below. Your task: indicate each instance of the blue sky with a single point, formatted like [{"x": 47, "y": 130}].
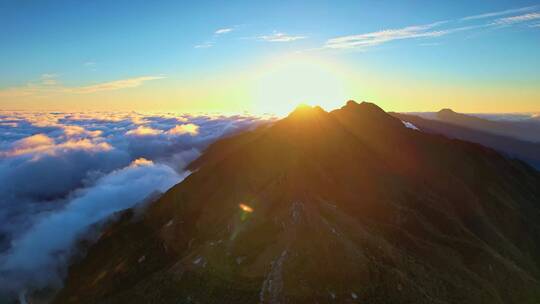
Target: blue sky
[{"x": 470, "y": 45}]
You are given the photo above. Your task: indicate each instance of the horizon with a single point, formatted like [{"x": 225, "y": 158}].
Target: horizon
[
  {"x": 280, "y": 115},
  {"x": 267, "y": 57}
]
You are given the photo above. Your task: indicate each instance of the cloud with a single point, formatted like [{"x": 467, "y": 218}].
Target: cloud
[
  {"x": 376, "y": 38},
  {"x": 191, "y": 129},
  {"x": 143, "y": 131},
  {"x": 211, "y": 42},
  {"x": 36, "y": 255},
  {"x": 280, "y": 37},
  {"x": 39, "y": 145},
  {"x": 113, "y": 85},
  {"x": 517, "y": 19},
  {"x": 535, "y": 25},
  {"x": 223, "y": 31},
  {"x": 77, "y": 131},
  {"x": 61, "y": 171},
  {"x": 498, "y": 13},
  {"x": 49, "y": 79},
  {"x": 49, "y": 84},
  {"x": 204, "y": 45},
  {"x": 34, "y": 141},
  {"x": 432, "y": 30}
]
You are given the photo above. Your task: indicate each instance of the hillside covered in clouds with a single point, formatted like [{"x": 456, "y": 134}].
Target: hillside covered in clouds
[{"x": 62, "y": 173}]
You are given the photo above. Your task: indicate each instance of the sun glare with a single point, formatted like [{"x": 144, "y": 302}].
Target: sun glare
[
  {"x": 245, "y": 208},
  {"x": 287, "y": 82}
]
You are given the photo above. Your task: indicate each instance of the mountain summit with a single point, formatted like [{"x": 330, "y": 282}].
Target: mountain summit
[{"x": 347, "y": 206}]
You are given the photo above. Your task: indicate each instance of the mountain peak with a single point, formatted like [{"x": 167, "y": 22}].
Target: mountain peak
[
  {"x": 446, "y": 111},
  {"x": 351, "y": 103},
  {"x": 305, "y": 111},
  {"x": 364, "y": 106},
  {"x": 367, "y": 114},
  {"x": 369, "y": 106}
]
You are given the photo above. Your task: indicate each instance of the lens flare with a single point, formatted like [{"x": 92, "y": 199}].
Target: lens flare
[{"x": 245, "y": 208}]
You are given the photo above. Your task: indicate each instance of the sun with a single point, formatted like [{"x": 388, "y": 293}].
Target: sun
[{"x": 299, "y": 79}]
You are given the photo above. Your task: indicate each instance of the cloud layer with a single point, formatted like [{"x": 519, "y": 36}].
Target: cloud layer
[{"x": 60, "y": 173}]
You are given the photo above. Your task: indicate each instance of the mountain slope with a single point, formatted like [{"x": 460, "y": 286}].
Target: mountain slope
[
  {"x": 347, "y": 206},
  {"x": 524, "y": 150}
]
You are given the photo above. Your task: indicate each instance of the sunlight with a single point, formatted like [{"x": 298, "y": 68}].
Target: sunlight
[{"x": 299, "y": 79}]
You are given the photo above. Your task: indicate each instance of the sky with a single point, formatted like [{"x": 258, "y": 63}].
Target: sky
[{"x": 269, "y": 56}]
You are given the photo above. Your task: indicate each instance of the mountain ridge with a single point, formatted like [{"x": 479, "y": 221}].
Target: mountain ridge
[
  {"x": 343, "y": 206},
  {"x": 513, "y": 147}
]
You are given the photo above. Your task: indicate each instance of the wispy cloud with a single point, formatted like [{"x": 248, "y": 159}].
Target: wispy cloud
[
  {"x": 280, "y": 37},
  {"x": 211, "y": 42},
  {"x": 113, "y": 85},
  {"x": 517, "y": 19},
  {"x": 380, "y": 37},
  {"x": 535, "y": 25},
  {"x": 49, "y": 79},
  {"x": 499, "y": 13},
  {"x": 49, "y": 84},
  {"x": 204, "y": 45},
  {"x": 223, "y": 31},
  {"x": 432, "y": 30}
]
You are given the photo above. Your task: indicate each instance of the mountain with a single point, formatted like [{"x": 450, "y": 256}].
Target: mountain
[
  {"x": 527, "y": 130},
  {"x": 347, "y": 206},
  {"x": 521, "y": 149}
]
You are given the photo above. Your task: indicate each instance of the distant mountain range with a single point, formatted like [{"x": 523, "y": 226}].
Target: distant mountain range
[
  {"x": 504, "y": 136},
  {"x": 347, "y": 206},
  {"x": 522, "y": 129}
]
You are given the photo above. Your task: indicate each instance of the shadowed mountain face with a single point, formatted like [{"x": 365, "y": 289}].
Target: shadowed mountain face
[
  {"x": 521, "y": 149},
  {"x": 528, "y": 130},
  {"x": 341, "y": 207}
]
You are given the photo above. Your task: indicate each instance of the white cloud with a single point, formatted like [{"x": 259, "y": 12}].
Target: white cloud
[
  {"x": 499, "y": 13},
  {"x": 517, "y": 19},
  {"x": 280, "y": 37},
  {"x": 112, "y": 85},
  {"x": 432, "y": 30},
  {"x": 376, "y": 38},
  {"x": 144, "y": 131},
  {"x": 204, "y": 45},
  {"x": 114, "y": 192},
  {"x": 223, "y": 31},
  {"x": 40, "y": 145},
  {"x": 78, "y": 131},
  {"x": 191, "y": 129}
]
